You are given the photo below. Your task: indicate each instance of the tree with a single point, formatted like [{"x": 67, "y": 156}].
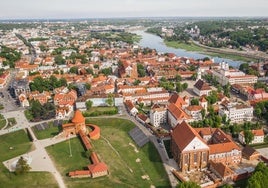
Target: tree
[
  {"x": 184, "y": 86},
  {"x": 22, "y": 166},
  {"x": 88, "y": 86},
  {"x": 89, "y": 104},
  {"x": 259, "y": 179},
  {"x": 203, "y": 113},
  {"x": 110, "y": 100},
  {"x": 188, "y": 184},
  {"x": 258, "y": 112},
  {"x": 141, "y": 70},
  {"x": 249, "y": 136},
  {"x": 194, "y": 101},
  {"x": 59, "y": 60},
  {"x": 74, "y": 70}
]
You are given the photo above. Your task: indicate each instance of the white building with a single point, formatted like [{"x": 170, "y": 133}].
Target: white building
[
  {"x": 201, "y": 88},
  {"x": 258, "y": 136},
  {"x": 225, "y": 76},
  {"x": 158, "y": 115},
  {"x": 236, "y": 112},
  {"x": 194, "y": 111}
]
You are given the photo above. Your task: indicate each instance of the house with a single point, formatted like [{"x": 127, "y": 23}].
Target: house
[
  {"x": 250, "y": 153},
  {"x": 201, "y": 88},
  {"x": 258, "y": 137},
  {"x": 65, "y": 103},
  {"x": 143, "y": 119},
  {"x": 158, "y": 115},
  {"x": 128, "y": 69},
  {"x": 194, "y": 111},
  {"x": 178, "y": 101},
  {"x": 236, "y": 112},
  {"x": 175, "y": 115},
  {"x": 188, "y": 148},
  {"x": 131, "y": 108},
  {"x": 23, "y": 100}
]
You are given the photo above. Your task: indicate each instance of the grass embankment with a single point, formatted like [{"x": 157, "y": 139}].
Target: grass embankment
[
  {"x": 3, "y": 121},
  {"x": 15, "y": 144},
  {"x": 195, "y": 48},
  {"x": 98, "y": 111},
  {"x": 47, "y": 133},
  {"x": 120, "y": 157}
]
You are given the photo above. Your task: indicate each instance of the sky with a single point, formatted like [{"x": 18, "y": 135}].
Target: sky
[{"x": 49, "y": 9}]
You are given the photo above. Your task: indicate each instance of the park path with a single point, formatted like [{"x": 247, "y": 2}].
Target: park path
[{"x": 41, "y": 161}]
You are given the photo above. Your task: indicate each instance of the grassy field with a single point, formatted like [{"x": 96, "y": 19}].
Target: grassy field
[
  {"x": 119, "y": 155},
  {"x": 47, "y": 133},
  {"x": 230, "y": 56},
  {"x": 101, "y": 109},
  {"x": 195, "y": 48},
  {"x": 20, "y": 144},
  {"x": 2, "y": 121},
  {"x": 189, "y": 47}
]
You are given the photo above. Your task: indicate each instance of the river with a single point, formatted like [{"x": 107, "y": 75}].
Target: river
[{"x": 156, "y": 42}]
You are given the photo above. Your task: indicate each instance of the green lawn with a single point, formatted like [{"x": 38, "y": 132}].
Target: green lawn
[
  {"x": 123, "y": 168},
  {"x": 101, "y": 109},
  {"x": 189, "y": 47},
  {"x": 47, "y": 133},
  {"x": 194, "y": 48},
  {"x": 20, "y": 143},
  {"x": 2, "y": 121}
]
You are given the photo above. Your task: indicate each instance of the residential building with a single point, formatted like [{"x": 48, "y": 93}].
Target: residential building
[
  {"x": 131, "y": 108},
  {"x": 194, "y": 111},
  {"x": 201, "y": 88},
  {"x": 236, "y": 112},
  {"x": 257, "y": 139},
  {"x": 158, "y": 115}
]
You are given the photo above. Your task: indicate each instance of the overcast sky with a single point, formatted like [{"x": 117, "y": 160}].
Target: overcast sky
[{"x": 27, "y": 9}]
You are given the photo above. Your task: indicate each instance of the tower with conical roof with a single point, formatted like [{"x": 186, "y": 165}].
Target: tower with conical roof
[{"x": 79, "y": 121}]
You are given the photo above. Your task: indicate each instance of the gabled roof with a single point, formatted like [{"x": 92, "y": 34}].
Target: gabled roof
[
  {"x": 183, "y": 134},
  {"x": 201, "y": 85},
  {"x": 177, "y": 100},
  {"x": 194, "y": 108},
  {"x": 249, "y": 151},
  {"x": 177, "y": 112},
  {"x": 223, "y": 170},
  {"x": 78, "y": 117}
]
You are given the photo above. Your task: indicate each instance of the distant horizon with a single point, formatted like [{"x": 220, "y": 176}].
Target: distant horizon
[
  {"x": 97, "y": 9},
  {"x": 137, "y": 17}
]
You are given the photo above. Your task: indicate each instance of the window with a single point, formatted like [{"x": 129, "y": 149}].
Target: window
[
  {"x": 204, "y": 157},
  {"x": 195, "y": 157},
  {"x": 186, "y": 159}
]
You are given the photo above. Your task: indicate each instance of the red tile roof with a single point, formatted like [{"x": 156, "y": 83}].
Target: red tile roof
[
  {"x": 177, "y": 112},
  {"x": 201, "y": 85},
  {"x": 78, "y": 117},
  {"x": 183, "y": 134}
]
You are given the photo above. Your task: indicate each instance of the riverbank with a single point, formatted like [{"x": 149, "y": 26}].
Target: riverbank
[{"x": 191, "y": 46}]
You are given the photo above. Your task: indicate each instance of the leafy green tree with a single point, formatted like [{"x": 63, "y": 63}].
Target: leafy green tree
[
  {"x": 203, "y": 113},
  {"x": 249, "y": 136},
  {"x": 74, "y": 70},
  {"x": 59, "y": 60},
  {"x": 89, "y": 104},
  {"x": 141, "y": 70},
  {"x": 88, "y": 86},
  {"x": 22, "y": 166},
  {"x": 194, "y": 101},
  {"x": 188, "y": 184},
  {"x": 107, "y": 71},
  {"x": 110, "y": 100}
]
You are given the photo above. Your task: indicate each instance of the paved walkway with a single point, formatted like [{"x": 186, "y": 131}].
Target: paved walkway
[{"x": 40, "y": 158}]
